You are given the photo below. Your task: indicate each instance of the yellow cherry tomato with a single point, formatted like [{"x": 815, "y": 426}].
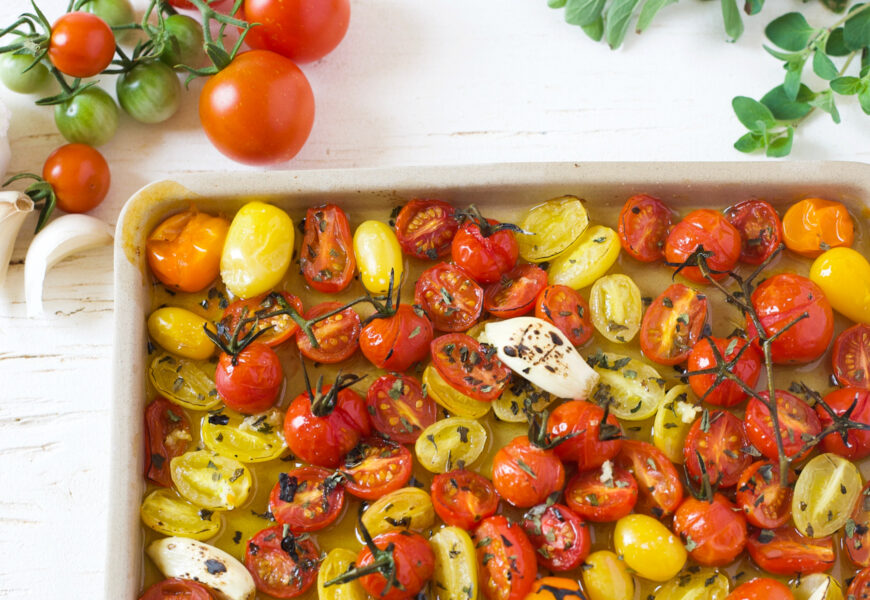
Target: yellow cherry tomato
[
  {"x": 247, "y": 438},
  {"x": 556, "y": 588},
  {"x": 210, "y": 480},
  {"x": 648, "y": 547},
  {"x": 188, "y": 383},
  {"x": 167, "y": 513},
  {"x": 520, "y": 400},
  {"x": 606, "y": 577},
  {"x": 408, "y": 508},
  {"x": 817, "y": 586},
  {"x": 181, "y": 332},
  {"x": 844, "y": 276},
  {"x": 696, "y": 584},
  {"x": 447, "y": 443},
  {"x": 450, "y": 398},
  {"x": 377, "y": 253},
  {"x": 616, "y": 307},
  {"x": 824, "y": 494},
  {"x": 588, "y": 259},
  {"x": 553, "y": 226},
  {"x": 258, "y": 249},
  {"x": 455, "y": 573},
  {"x": 337, "y": 562},
  {"x": 673, "y": 421},
  {"x": 636, "y": 389}
]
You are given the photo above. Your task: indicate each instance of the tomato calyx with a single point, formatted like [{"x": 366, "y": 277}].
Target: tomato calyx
[
  {"x": 540, "y": 436},
  {"x": 214, "y": 48},
  {"x": 383, "y": 563},
  {"x": 472, "y": 214},
  {"x": 323, "y": 403},
  {"x": 705, "y": 490},
  {"x": 841, "y": 423},
  {"x": 724, "y": 369}
]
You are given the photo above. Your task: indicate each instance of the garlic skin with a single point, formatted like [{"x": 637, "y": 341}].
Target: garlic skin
[
  {"x": 5, "y": 150},
  {"x": 14, "y": 208},
  {"x": 62, "y": 237}
]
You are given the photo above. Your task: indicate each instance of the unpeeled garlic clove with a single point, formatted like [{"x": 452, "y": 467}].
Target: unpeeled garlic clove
[{"x": 14, "y": 208}]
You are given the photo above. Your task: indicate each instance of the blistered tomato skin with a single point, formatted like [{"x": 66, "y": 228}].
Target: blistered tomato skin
[
  {"x": 648, "y": 547},
  {"x": 582, "y": 421},
  {"x": 761, "y": 588},
  {"x": 250, "y": 382},
  {"x": 378, "y": 256},
  {"x": 844, "y": 276},
  {"x": 525, "y": 474},
  {"x": 710, "y": 229},
  {"x": 856, "y": 400},
  {"x": 725, "y": 393},
  {"x": 814, "y": 225},
  {"x": 181, "y": 332},
  {"x": 486, "y": 258},
  {"x": 606, "y": 577},
  {"x": 714, "y": 531}
]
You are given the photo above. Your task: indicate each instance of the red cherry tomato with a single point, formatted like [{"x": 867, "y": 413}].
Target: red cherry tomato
[
  {"x": 463, "y": 498},
  {"x": 79, "y": 176},
  {"x": 602, "y": 501},
  {"x": 302, "y": 31},
  {"x": 525, "y": 474},
  {"x": 760, "y": 493},
  {"x": 397, "y": 341},
  {"x": 324, "y": 440},
  {"x": 784, "y": 551},
  {"x": 505, "y": 558},
  {"x": 567, "y": 310},
  {"x": 851, "y": 356},
  {"x": 707, "y": 228},
  {"x": 337, "y": 336},
  {"x": 251, "y": 381},
  {"x": 81, "y": 44},
  {"x": 398, "y": 408},
  {"x": 485, "y": 257},
  {"x": 259, "y": 110},
  {"x": 167, "y": 435},
  {"x": 282, "y": 566},
  {"x": 414, "y": 565},
  {"x": 644, "y": 223},
  {"x": 177, "y": 589},
  {"x": 858, "y": 441},
  {"x": 326, "y": 258},
  {"x": 761, "y": 588},
  {"x": 857, "y": 541},
  {"x": 425, "y": 228},
  {"x": 560, "y": 537},
  {"x": 859, "y": 588},
  {"x": 796, "y": 420},
  {"x": 672, "y": 325},
  {"x": 449, "y": 296},
  {"x": 469, "y": 366},
  {"x": 582, "y": 420},
  {"x": 781, "y": 299},
  {"x": 515, "y": 293},
  {"x": 279, "y": 329},
  {"x": 377, "y": 467},
  {"x": 658, "y": 481},
  {"x": 306, "y": 499},
  {"x": 714, "y": 531},
  {"x": 725, "y": 393},
  {"x": 719, "y": 440},
  {"x": 760, "y": 229}
]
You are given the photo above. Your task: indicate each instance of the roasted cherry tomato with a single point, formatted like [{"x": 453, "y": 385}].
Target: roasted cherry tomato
[
  {"x": 843, "y": 274},
  {"x": 449, "y": 296},
  {"x": 79, "y": 176},
  {"x": 560, "y": 537},
  {"x": 590, "y": 444},
  {"x": 250, "y": 381},
  {"x": 857, "y": 536},
  {"x": 337, "y": 336},
  {"x": 469, "y": 366},
  {"x": 279, "y": 328},
  {"x": 301, "y": 31},
  {"x": 567, "y": 310},
  {"x": 781, "y": 299},
  {"x": 658, "y": 481},
  {"x": 644, "y": 223},
  {"x": 484, "y": 250},
  {"x": 425, "y": 228},
  {"x": 283, "y": 566},
  {"x": 514, "y": 294},
  {"x": 796, "y": 420},
  {"x": 602, "y": 501},
  {"x": 760, "y": 493},
  {"x": 506, "y": 559},
  {"x": 396, "y": 341},
  {"x": 718, "y": 438},
  {"x": 859, "y": 588},
  {"x": 747, "y": 368},
  {"x": 714, "y": 532},
  {"x": 378, "y": 257},
  {"x": 606, "y": 577},
  {"x": 177, "y": 589},
  {"x": 326, "y": 257},
  {"x": 616, "y": 307},
  {"x": 784, "y": 551},
  {"x": 673, "y": 324},
  {"x": 463, "y": 498},
  {"x": 81, "y": 44},
  {"x": 414, "y": 565},
  {"x": 376, "y": 467},
  {"x": 857, "y": 402},
  {"x": 710, "y": 229},
  {"x": 323, "y": 431},
  {"x": 184, "y": 251},
  {"x": 556, "y": 588},
  {"x": 551, "y": 228},
  {"x": 648, "y": 547},
  {"x": 167, "y": 435},
  {"x": 851, "y": 356},
  {"x": 760, "y": 229},
  {"x": 306, "y": 499},
  {"x": 398, "y": 408},
  {"x": 761, "y": 588},
  {"x": 814, "y": 225},
  {"x": 525, "y": 474}
]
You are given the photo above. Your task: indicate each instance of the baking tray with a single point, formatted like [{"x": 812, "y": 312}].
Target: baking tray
[{"x": 495, "y": 188}]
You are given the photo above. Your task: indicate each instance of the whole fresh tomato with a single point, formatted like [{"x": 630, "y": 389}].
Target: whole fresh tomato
[
  {"x": 150, "y": 92},
  {"x": 644, "y": 223},
  {"x": 463, "y": 498},
  {"x": 725, "y": 393},
  {"x": 396, "y": 340},
  {"x": 718, "y": 438},
  {"x": 249, "y": 381},
  {"x": 710, "y": 229},
  {"x": 81, "y": 44},
  {"x": 485, "y": 248},
  {"x": 17, "y": 74},
  {"x": 814, "y": 225},
  {"x": 560, "y": 537},
  {"x": 714, "y": 530},
  {"x": 184, "y": 41},
  {"x": 796, "y": 420},
  {"x": 79, "y": 176},
  {"x": 302, "y": 31},
  {"x": 580, "y": 422},
  {"x": 450, "y": 297},
  {"x": 760, "y": 493},
  {"x": 425, "y": 228},
  {"x": 760, "y": 229},
  {"x": 259, "y": 110},
  {"x": 282, "y": 565},
  {"x": 177, "y": 589},
  {"x": 167, "y": 435},
  {"x": 398, "y": 408},
  {"x": 524, "y": 473},
  {"x": 506, "y": 559},
  {"x": 90, "y": 117},
  {"x": 856, "y": 401},
  {"x": 219, "y": 5},
  {"x": 326, "y": 258}
]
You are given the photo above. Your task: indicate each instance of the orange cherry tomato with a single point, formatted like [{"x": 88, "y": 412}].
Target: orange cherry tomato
[
  {"x": 602, "y": 501},
  {"x": 588, "y": 446},
  {"x": 567, "y": 310},
  {"x": 814, "y": 225},
  {"x": 506, "y": 559},
  {"x": 661, "y": 490},
  {"x": 300, "y": 30},
  {"x": 81, "y": 44},
  {"x": 276, "y": 571},
  {"x": 184, "y": 251},
  {"x": 859, "y": 589},
  {"x": 463, "y": 498},
  {"x": 761, "y": 588},
  {"x": 556, "y": 588},
  {"x": 710, "y": 229},
  {"x": 715, "y": 531},
  {"x": 79, "y": 176}
]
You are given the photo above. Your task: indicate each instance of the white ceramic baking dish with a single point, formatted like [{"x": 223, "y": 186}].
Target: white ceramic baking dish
[{"x": 495, "y": 188}]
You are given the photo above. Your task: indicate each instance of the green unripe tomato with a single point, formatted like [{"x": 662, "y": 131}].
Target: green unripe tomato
[
  {"x": 115, "y": 13},
  {"x": 90, "y": 117},
  {"x": 13, "y": 75},
  {"x": 184, "y": 43},
  {"x": 150, "y": 92}
]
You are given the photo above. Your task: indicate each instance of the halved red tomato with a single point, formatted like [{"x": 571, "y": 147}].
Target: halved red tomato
[
  {"x": 718, "y": 438},
  {"x": 857, "y": 534},
  {"x": 567, "y": 310},
  {"x": 515, "y": 293},
  {"x": 306, "y": 499},
  {"x": 505, "y": 558},
  {"x": 714, "y": 531},
  {"x": 859, "y": 588},
  {"x": 463, "y": 498},
  {"x": 469, "y": 366},
  {"x": 376, "y": 467},
  {"x": 283, "y": 566},
  {"x": 661, "y": 490},
  {"x": 761, "y": 588},
  {"x": 785, "y": 551},
  {"x": 644, "y": 223},
  {"x": 326, "y": 258},
  {"x": 760, "y": 229},
  {"x": 560, "y": 537},
  {"x": 177, "y": 589},
  {"x": 279, "y": 328},
  {"x": 760, "y": 493},
  {"x": 796, "y": 421},
  {"x": 707, "y": 228},
  {"x": 425, "y": 228},
  {"x": 856, "y": 400},
  {"x": 602, "y": 501},
  {"x": 337, "y": 336},
  {"x": 398, "y": 408},
  {"x": 450, "y": 297},
  {"x": 672, "y": 325},
  {"x": 167, "y": 435},
  {"x": 588, "y": 444},
  {"x": 851, "y": 356},
  {"x": 726, "y": 393}
]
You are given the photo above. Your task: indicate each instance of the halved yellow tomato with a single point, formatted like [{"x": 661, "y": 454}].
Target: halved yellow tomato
[
  {"x": 450, "y": 443},
  {"x": 166, "y": 512},
  {"x": 407, "y": 508},
  {"x": 588, "y": 259},
  {"x": 554, "y": 226},
  {"x": 616, "y": 307},
  {"x": 211, "y": 480},
  {"x": 188, "y": 383},
  {"x": 450, "y": 398},
  {"x": 247, "y": 438}
]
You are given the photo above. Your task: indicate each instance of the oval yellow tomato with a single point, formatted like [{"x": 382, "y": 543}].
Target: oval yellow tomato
[
  {"x": 181, "y": 332},
  {"x": 455, "y": 573},
  {"x": 606, "y": 577},
  {"x": 636, "y": 389},
  {"x": 696, "y": 584},
  {"x": 588, "y": 259},
  {"x": 337, "y": 562},
  {"x": 377, "y": 252},
  {"x": 257, "y": 250},
  {"x": 824, "y": 494},
  {"x": 188, "y": 383},
  {"x": 648, "y": 547},
  {"x": 844, "y": 276},
  {"x": 165, "y": 512},
  {"x": 447, "y": 443},
  {"x": 554, "y": 226}
]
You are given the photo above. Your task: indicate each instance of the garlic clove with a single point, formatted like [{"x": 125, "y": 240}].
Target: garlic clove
[{"x": 14, "y": 208}]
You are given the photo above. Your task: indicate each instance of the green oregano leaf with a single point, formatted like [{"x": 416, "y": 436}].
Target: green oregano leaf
[
  {"x": 781, "y": 146},
  {"x": 790, "y": 31},
  {"x": 856, "y": 31},
  {"x": 648, "y": 12},
  {"x": 750, "y": 142},
  {"x": 732, "y": 19},
  {"x": 596, "y": 30},
  {"x": 846, "y": 86},
  {"x": 836, "y": 45},
  {"x": 751, "y": 112},
  {"x": 823, "y": 66},
  {"x": 556, "y": 3},
  {"x": 784, "y": 108},
  {"x": 825, "y": 101},
  {"x": 616, "y": 19},
  {"x": 583, "y": 12}
]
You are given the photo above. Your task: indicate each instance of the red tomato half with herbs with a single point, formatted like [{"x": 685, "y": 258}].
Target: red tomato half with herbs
[
  {"x": 425, "y": 228},
  {"x": 525, "y": 474},
  {"x": 279, "y": 328},
  {"x": 567, "y": 310},
  {"x": 283, "y": 566},
  {"x": 306, "y": 499},
  {"x": 79, "y": 176},
  {"x": 167, "y": 435},
  {"x": 337, "y": 335},
  {"x": 463, "y": 498},
  {"x": 859, "y": 588},
  {"x": 588, "y": 445},
  {"x": 177, "y": 589},
  {"x": 397, "y": 341},
  {"x": 602, "y": 501},
  {"x": 560, "y": 537},
  {"x": 781, "y": 299},
  {"x": 469, "y": 366},
  {"x": 673, "y": 324},
  {"x": 856, "y": 400},
  {"x": 710, "y": 229},
  {"x": 785, "y": 551},
  {"x": 714, "y": 532},
  {"x": 485, "y": 257},
  {"x": 414, "y": 565},
  {"x": 398, "y": 408},
  {"x": 376, "y": 467},
  {"x": 661, "y": 489},
  {"x": 718, "y": 438},
  {"x": 81, "y": 44},
  {"x": 851, "y": 356},
  {"x": 515, "y": 293},
  {"x": 302, "y": 31},
  {"x": 250, "y": 381},
  {"x": 760, "y": 493},
  {"x": 796, "y": 421},
  {"x": 450, "y": 297},
  {"x": 644, "y": 223},
  {"x": 326, "y": 257},
  {"x": 761, "y": 588},
  {"x": 760, "y": 229},
  {"x": 506, "y": 559},
  {"x": 857, "y": 542},
  {"x": 747, "y": 368}
]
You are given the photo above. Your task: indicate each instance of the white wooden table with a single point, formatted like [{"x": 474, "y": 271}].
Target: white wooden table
[{"x": 414, "y": 82}]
